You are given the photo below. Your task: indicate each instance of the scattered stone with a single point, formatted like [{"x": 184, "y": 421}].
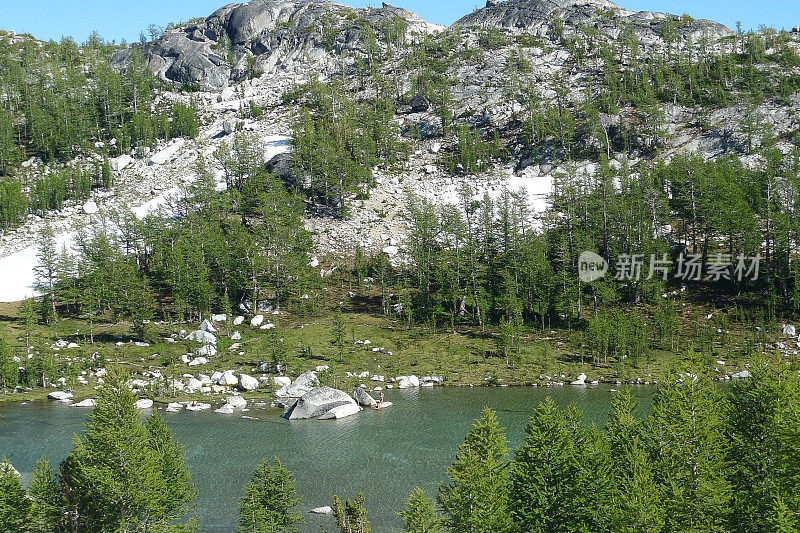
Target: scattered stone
[
  {"x": 89, "y": 402},
  {"x": 282, "y": 381},
  {"x": 248, "y": 382},
  {"x": 236, "y": 336},
  {"x": 789, "y": 330},
  {"x": 207, "y": 326},
  {"x": 228, "y": 379},
  {"x": 580, "y": 381},
  {"x": 257, "y": 321},
  {"x": 741, "y": 375},
  {"x": 238, "y": 320},
  {"x": 203, "y": 337},
  {"x": 90, "y": 207},
  {"x": 144, "y": 403},
  {"x": 209, "y": 349},
  {"x": 236, "y": 401},
  {"x": 407, "y": 382},
  {"x": 322, "y": 510},
  {"x": 363, "y": 398},
  {"x": 60, "y": 395}
]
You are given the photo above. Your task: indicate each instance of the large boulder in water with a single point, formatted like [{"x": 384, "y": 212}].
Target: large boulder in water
[
  {"x": 304, "y": 383},
  {"x": 342, "y": 411},
  {"x": 363, "y": 398},
  {"x": 317, "y": 402}
]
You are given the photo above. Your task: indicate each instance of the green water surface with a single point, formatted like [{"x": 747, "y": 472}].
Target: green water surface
[{"x": 381, "y": 453}]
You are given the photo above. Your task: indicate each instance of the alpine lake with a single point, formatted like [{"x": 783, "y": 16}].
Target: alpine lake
[{"x": 384, "y": 454}]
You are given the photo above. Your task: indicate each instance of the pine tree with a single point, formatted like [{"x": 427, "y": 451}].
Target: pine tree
[
  {"x": 764, "y": 426},
  {"x": 123, "y": 474},
  {"x": 634, "y": 493},
  {"x": 14, "y": 504},
  {"x": 270, "y": 501},
  {"x": 476, "y": 496},
  {"x": 558, "y": 483},
  {"x": 47, "y": 503},
  {"x": 338, "y": 334},
  {"x": 47, "y": 273},
  {"x": 690, "y": 454},
  {"x": 420, "y": 515},
  {"x": 351, "y": 517}
]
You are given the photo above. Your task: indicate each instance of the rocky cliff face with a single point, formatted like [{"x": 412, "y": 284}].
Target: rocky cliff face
[
  {"x": 542, "y": 17},
  {"x": 270, "y": 35}
]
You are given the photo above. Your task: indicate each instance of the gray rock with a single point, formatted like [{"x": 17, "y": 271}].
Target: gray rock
[
  {"x": 247, "y": 382},
  {"x": 303, "y": 384},
  {"x": 275, "y": 32},
  {"x": 341, "y": 411},
  {"x": 317, "y": 402},
  {"x": 281, "y": 166},
  {"x": 236, "y": 401},
  {"x": 363, "y": 398},
  {"x": 60, "y": 395},
  {"x": 419, "y": 104}
]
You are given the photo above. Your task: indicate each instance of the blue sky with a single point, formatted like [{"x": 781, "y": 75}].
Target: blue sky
[{"x": 50, "y": 19}]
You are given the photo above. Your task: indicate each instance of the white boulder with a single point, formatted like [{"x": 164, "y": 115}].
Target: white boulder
[
  {"x": 580, "y": 381},
  {"x": 257, "y": 321},
  {"x": 236, "y": 401},
  {"x": 209, "y": 350},
  {"x": 88, "y": 402},
  {"x": 90, "y": 207},
  {"x": 407, "y": 382},
  {"x": 247, "y": 382},
  {"x": 144, "y": 403},
  {"x": 228, "y": 379},
  {"x": 341, "y": 411},
  {"x": 60, "y": 395},
  {"x": 282, "y": 381},
  {"x": 207, "y": 326},
  {"x": 238, "y": 320},
  {"x": 203, "y": 337},
  {"x": 236, "y": 336}
]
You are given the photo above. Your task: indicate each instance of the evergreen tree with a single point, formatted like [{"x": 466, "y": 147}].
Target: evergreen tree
[
  {"x": 14, "y": 504},
  {"x": 420, "y": 515},
  {"x": 690, "y": 455},
  {"x": 47, "y": 505},
  {"x": 270, "y": 501},
  {"x": 557, "y": 483},
  {"x": 476, "y": 496},
  {"x": 124, "y": 475},
  {"x": 764, "y": 426},
  {"x": 351, "y": 517},
  {"x": 635, "y": 497}
]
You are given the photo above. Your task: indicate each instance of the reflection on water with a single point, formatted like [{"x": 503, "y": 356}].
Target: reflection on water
[{"x": 381, "y": 453}]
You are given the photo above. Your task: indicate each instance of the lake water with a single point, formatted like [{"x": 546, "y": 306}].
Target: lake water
[{"x": 381, "y": 453}]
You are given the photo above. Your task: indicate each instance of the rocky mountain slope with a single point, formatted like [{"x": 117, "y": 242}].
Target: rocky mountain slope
[
  {"x": 274, "y": 35},
  {"x": 495, "y": 70}
]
